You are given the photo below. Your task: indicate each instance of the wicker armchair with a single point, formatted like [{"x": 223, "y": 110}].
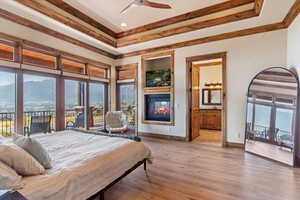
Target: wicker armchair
[{"x": 116, "y": 122}]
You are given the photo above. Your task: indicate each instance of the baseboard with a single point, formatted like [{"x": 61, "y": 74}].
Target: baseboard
[
  {"x": 159, "y": 136},
  {"x": 234, "y": 145}
]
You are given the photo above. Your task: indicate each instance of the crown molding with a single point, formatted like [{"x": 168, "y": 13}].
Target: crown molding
[
  {"x": 37, "y": 6},
  {"x": 80, "y": 15},
  {"x": 30, "y": 24},
  {"x": 187, "y": 16}
]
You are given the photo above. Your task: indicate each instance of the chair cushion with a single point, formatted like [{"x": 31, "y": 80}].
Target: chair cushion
[
  {"x": 19, "y": 160},
  {"x": 34, "y": 148},
  {"x": 114, "y": 119},
  {"x": 9, "y": 179}
]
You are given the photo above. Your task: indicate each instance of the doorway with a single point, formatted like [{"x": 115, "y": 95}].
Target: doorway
[{"x": 206, "y": 98}]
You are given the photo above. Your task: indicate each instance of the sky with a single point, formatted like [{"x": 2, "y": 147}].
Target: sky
[{"x": 7, "y": 78}]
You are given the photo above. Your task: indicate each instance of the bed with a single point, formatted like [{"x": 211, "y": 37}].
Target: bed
[{"x": 83, "y": 165}]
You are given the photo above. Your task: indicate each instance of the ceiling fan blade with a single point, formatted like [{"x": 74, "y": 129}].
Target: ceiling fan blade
[
  {"x": 127, "y": 7},
  {"x": 155, "y": 5}
]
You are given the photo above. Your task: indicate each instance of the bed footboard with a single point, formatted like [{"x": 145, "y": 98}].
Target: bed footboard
[{"x": 100, "y": 195}]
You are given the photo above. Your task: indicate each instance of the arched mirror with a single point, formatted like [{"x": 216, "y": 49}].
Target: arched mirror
[{"x": 272, "y": 124}]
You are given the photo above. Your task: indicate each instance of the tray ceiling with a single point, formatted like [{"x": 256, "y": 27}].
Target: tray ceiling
[
  {"x": 108, "y": 12},
  {"x": 234, "y": 16}
]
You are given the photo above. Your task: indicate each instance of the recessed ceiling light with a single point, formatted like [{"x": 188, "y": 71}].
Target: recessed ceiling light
[{"x": 124, "y": 24}]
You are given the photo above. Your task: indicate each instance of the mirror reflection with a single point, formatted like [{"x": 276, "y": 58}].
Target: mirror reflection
[{"x": 271, "y": 115}]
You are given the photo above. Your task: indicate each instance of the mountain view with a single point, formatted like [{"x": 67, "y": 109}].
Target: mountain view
[{"x": 40, "y": 95}]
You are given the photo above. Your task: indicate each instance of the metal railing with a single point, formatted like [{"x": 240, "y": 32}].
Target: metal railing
[
  {"x": 278, "y": 135},
  {"x": 71, "y": 116},
  {"x": 27, "y": 117},
  {"x": 7, "y": 119},
  {"x": 7, "y": 123}
]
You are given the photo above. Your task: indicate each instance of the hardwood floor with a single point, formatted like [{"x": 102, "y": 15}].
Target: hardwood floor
[
  {"x": 205, "y": 171},
  {"x": 209, "y": 136},
  {"x": 270, "y": 151}
]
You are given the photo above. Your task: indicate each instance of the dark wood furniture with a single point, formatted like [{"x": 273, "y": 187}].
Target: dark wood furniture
[
  {"x": 11, "y": 195},
  {"x": 211, "y": 119},
  {"x": 38, "y": 124}
]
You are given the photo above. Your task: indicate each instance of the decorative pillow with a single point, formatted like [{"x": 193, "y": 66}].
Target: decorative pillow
[
  {"x": 19, "y": 160},
  {"x": 34, "y": 148},
  {"x": 9, "y": 179}
]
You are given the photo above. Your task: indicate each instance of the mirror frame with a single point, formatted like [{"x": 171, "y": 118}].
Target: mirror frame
[
  {"x": 209, "y": 97},
  {"x": 296, "y": 151}
]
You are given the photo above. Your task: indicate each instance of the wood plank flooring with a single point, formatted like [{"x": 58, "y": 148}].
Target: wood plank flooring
[
  {"x": 205, "y": 171},
  {"x": 209, "y": 136}
]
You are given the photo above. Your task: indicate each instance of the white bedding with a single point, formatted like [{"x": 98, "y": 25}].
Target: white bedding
[{"x": 83, "y": 164}]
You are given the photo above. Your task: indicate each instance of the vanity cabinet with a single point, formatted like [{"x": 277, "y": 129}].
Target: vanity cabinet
[{"x": 211, "y": 119}]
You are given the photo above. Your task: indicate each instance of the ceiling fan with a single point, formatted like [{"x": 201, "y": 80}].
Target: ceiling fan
[{"x": 147, "y": 3}]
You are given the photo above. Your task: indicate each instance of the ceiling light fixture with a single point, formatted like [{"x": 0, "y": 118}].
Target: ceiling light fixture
[{"x": 124, "y": 24}]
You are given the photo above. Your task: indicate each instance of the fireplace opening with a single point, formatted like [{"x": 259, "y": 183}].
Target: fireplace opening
[{"x": 157, "y": 107}]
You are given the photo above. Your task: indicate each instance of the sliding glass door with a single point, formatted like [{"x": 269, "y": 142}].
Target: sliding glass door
[
  {"x": 97, "y": 103},
  {"x": 127, "y": 101},
  {"x": 74, "y": 104},
  {"x": 39, "y": 100}
]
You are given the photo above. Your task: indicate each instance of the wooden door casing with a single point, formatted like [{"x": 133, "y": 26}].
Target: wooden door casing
[{"x": 195, "y": 102}]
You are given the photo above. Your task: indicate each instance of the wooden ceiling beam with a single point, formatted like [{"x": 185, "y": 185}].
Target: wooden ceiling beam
[
  {"x": 75, "y": 12},
  {"x": 258, "y": 5},
  {"x": 25, "y": 22},
  {"x": 288, "y": 20},
  {"x": 224, "y": 36},
  {"x": 187, "y": 16},
  {"x": 186, "y": 28},
  {"x": 37, "y": 6},
  {"x": 292, "y": 14}
]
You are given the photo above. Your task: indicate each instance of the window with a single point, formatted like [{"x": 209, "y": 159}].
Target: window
[
  {"x": 97, "y": 92},
  {"x": 262, "y": 120},
  {"x": 126, "y": 73},
  {"x": 38, "y": 59},
  {"x": 250, "y": 113},
  {"x": 6, "y": 52},
  {"x": 72, "y": 66},
  {"x": 39, "y": 98},
  {"x": 74, "y": 104},
  {"x": 7, "y": 103},
  {"x": 126, "y": 101},
  {"x": 284, "y": 124},
  {"x": 97, "y": 72}
]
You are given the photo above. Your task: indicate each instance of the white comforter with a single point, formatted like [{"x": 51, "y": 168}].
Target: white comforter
[{"x": 83, "y": 164}]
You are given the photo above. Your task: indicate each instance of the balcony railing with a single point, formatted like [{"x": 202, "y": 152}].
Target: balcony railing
[
  {"x": 7, "y": 119},
  {"x": 72, "y": 118},
  {"x": 7, "y": 123}
]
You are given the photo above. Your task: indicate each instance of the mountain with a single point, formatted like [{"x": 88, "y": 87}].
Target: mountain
[{"x": 43, "y": 93}]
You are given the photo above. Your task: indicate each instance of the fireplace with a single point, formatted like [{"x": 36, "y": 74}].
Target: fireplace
[{"x": 157, "y": 107}]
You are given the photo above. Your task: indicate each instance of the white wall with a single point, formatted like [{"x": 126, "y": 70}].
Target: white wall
[
  {"x": 293, "y": 50},
  {"x": 23, "y": 32},
  {"x": 246, "y": 56},
  {"x": 210, "y": 74}
]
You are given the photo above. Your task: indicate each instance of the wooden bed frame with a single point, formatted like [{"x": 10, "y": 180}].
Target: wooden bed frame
[
  {"x": 12, "y": 195},
  {"x": 100, "y": 194}
]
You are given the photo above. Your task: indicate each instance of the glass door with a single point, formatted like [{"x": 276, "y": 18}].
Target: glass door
[
  {"x": 98, "y": 105},
  {"x": 126, "y": 102},
  {"x": 75, "y": 104}
]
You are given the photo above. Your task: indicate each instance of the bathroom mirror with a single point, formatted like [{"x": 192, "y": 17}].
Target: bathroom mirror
[
  {"x": 211, "y": 96},
  {"x": 271, "y": 124}
]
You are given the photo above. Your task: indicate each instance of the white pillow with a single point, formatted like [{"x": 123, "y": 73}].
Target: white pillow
[
  {"x": 19, "y": 160},
  {"x": 34, "y": 148},
  {"x": 9, "y": 179}
]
